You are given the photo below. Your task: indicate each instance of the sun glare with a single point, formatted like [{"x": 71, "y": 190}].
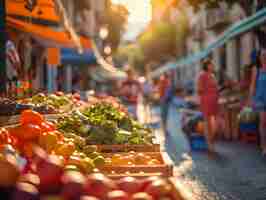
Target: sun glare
[{"x": 139, "y": 10}]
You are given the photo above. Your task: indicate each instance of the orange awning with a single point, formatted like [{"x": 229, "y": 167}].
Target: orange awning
[
  {"x": 44, "y": 10},
  {"x": 42, "y": 23},
  {"x": 48, "y": 36}
]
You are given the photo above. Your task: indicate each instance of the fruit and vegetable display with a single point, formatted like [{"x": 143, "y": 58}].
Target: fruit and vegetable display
[
  {"x": 57, "y": 102},
  {"x": 51, "y": 180},
  {"x": 34, "y": 131},
  {"x": 61, "y": 159},
  {"x": 10, "y": 108},
  {"x": 102, "y": 123}
]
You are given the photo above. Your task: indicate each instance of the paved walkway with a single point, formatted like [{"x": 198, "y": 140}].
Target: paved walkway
[{"x": 238, "y": 172}]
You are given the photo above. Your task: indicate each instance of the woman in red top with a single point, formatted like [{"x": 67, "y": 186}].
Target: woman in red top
[{"x": 209, "y": 94}]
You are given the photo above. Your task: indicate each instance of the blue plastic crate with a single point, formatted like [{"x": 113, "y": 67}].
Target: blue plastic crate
[
  {"x": 198, "y": 143},
  {"x": 248, "y": 127}
]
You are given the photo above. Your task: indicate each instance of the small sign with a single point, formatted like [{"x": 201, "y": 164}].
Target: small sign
[{"x": 53, "y": 56}]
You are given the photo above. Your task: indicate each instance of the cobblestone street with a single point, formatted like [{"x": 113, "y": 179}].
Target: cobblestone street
[{"x": 237, "y": 173}]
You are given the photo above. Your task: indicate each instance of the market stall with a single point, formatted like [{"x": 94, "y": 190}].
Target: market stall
[{"x": 92, "y": 148}]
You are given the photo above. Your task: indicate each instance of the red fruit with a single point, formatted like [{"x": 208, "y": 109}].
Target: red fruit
[
  {"x": 25, "y": 191},
  {"x": 159, "y": 188},
  {"x": 129, "y": 185},
  {"x": 9, "y": 171},
  {"x": 31, "y": 117},
  {"x": 28, "y": 149},
  {"x": 73, "y": 182},
  {"x": 4, "y": 134},
  {"x": 141, "y": 196},
  {"x": 29, "y": 132},
  {"x": 51, "y": 125},
  {"x": 59, "y": 93},
  {"x": 117, "y": 195},
  {"x": 146, "y": 182},
  {"x": 40, "y": 156},
  {"x": 50, "y": 172},
  {"x": 47, "y": 127},
  {"x": 98, "y": 185},
  {"x": 30, "y": 178},
  {"x": 88, "y": 198},
  {"x": 76, "y": 96}
]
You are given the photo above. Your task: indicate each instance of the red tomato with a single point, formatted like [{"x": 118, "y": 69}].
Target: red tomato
[
  {"x": 47, "y": 127},
  {"x": 31, "y": 117},
  {"x": 28, "y": 132},
  {"x": 28, "y": 149},
  {"x": 76, "y": 96},
  {"x": 4, "y": 134},
  {"x": 59, "y": 135},
  {"x": 51, "y": 125},
  {"x": 59, "y": 93}
]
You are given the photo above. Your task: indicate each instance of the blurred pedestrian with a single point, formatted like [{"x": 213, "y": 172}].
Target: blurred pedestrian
[
  {"x": 209, "y": 93},
  {"x": 258, "y": 94},
  {"x": 165, "y": 91},
  {"x": 130, "y": 92}
]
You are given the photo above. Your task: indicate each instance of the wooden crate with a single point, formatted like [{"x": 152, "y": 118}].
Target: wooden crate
[
  {"x": 165, "y": 169},
  {"x": 128, "y": 147}
]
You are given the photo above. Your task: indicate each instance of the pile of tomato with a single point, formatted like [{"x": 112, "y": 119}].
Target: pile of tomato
[{"x": 32, "y": 131}]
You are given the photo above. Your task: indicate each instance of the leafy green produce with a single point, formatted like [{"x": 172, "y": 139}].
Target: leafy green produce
[{"x": 102, "y": 123}]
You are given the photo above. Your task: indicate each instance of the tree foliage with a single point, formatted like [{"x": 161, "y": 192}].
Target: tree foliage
[
  {"x": 158, "y": 41},
  {"x": 116, "y": 19},
  {"x": 131, "y": 54}
]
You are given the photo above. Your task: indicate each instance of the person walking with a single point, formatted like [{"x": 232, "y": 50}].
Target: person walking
[
  {"x": 130, "y": 92},
  {"x": 257, "y": 95},
  {"x": 209, "y": 93},
  {"x": 165, "y": 92}
]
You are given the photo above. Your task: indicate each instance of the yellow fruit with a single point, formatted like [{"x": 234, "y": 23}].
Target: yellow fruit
[
  {"x": 108, "y": 161},
  {"x": 48, "y": 141},
  {"x": 65, "y": 149},
  {"x": 89, "y": 165},
  {"x": 140, "y": 159},
  {"x": 78, "y": 162},
  {"x": 154, "y": 162},
  {"x": 116, "y": 156},
  {"x": 99, "y": 162},
  {"x": 71, "y": 168},
  {"x": 93, "y": 155},
  {"x": 90, "y": 149}
]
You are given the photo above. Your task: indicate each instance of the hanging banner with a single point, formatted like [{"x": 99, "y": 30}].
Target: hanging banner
[{"x": 235, "y": 30}]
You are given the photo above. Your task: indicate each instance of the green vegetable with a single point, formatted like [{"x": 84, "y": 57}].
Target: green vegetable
[{"x": 103, "y": 123}]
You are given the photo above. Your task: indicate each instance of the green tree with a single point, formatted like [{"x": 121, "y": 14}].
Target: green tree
[
  {"x": 131, "y": 54},
  {"x": 116, "y": 18},
  {"x": 158, "y": 41}
]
